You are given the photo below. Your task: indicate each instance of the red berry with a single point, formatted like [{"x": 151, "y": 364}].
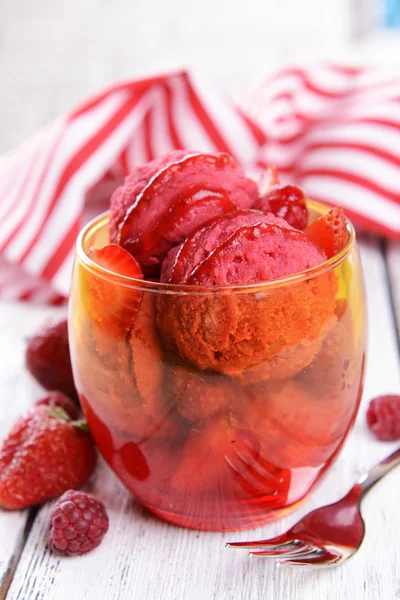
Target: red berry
[
  {"x": 383, "y": 417},
  {"x": 79, "y": 522},
  {"x": 47, "y": 358},
  {"x": 42, "y": 457},
  {"x": 62, "y": 401},
  {"x": 287, "y": 202},
  {"x": 329, "y": 231},
  {"x": 112, "y": 306}
]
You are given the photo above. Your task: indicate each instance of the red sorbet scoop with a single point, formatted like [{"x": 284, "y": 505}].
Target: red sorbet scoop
[
  {"x": 232, "y": 332},
  {"x": 180, "y": 197},
  {"x": 126, "y": 194}
]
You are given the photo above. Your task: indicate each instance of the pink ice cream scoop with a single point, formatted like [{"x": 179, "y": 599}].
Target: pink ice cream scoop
[
  {"x": 243, "y": 247},
  {"x": 232, "y": 332},
  {"x": 182, "y": 259},
  {"x": 161, "y": 204},
  {"x": 126, "y": 194}
]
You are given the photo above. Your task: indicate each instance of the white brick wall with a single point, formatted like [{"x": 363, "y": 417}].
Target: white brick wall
[{"x": 54, "y": 53}]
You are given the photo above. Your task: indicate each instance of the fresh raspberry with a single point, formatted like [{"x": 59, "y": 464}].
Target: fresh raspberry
[
  {"x": 79, "y": 522},
  {"x": 62, "y": 401},
  {"x": 44, "y": 455},
  {"x": 48, "y": 359},
  {"x": 286, "y": 202},
  {"x": 383, "y": 417}
]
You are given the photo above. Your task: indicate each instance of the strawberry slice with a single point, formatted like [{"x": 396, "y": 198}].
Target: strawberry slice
[
  {"x": 113, "y": 306},
  {"x": 329, "y": 231}
]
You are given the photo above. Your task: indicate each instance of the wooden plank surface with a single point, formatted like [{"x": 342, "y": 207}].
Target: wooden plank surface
[
  {"x": 144, "y": 558},
  {"x": 17, "y": 391},
  {"x": 393, "y": 265}
]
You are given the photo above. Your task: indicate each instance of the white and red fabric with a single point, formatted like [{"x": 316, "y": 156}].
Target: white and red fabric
[{"x": 333, "y": 130}]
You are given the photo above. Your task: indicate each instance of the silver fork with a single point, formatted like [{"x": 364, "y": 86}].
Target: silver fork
[{"x": 328, "y": 535}]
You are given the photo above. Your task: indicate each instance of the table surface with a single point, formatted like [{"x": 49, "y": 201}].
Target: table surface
[{"x": 142, "y": 557}]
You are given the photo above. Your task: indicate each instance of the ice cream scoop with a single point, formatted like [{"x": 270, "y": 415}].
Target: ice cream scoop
[
  {"x": 182, "y": 259},
  {"x": 295, "y": 427},
  {"x": 232, "y": 330},
  {"x": 198, "y": 396},
  {"x": 158, "y": 207},
  {"x": 126, "y": 194}
]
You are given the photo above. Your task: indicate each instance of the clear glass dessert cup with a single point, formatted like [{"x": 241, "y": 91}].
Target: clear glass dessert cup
[{"x": 241, "y": 443}]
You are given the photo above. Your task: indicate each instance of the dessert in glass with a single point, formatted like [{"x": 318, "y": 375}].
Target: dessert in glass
[{"x": 217, "y": 332}]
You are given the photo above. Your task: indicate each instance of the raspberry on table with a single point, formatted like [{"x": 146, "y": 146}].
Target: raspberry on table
[
  {"x": 79, "y": 522},
  {"x": 383, "y": 417}
]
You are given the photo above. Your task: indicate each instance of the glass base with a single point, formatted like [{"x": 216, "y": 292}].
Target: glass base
[{"x": 206, "y": 523}]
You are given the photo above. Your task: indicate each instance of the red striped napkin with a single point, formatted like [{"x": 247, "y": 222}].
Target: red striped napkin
[{"x": 333, "y": 130}]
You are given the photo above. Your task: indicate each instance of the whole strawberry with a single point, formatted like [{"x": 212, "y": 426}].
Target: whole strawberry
[
  {"x": 48, "y": 360},
  {"x": 79, "y": 522},
  {"x": 44, "y": 454},
  {"x": 53, "y": 399}
]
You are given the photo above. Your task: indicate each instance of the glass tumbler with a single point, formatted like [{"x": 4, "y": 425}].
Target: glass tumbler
[{"x": 219, "y": 408}]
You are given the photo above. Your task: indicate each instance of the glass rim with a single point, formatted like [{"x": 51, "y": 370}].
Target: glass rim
[{"x": 177, "y": 288}]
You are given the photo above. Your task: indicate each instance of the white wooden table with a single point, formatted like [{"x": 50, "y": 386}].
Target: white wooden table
[{"x": 144, "y": 558}]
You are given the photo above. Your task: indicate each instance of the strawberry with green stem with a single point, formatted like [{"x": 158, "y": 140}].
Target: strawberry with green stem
[{"x": 44, "y": 454}]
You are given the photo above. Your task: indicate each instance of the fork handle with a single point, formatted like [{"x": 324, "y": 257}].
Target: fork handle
[{"x": 371, "y": 477}]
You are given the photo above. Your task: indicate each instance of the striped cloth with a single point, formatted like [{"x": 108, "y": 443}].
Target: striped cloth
[{"x": 333, "y": 130}]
